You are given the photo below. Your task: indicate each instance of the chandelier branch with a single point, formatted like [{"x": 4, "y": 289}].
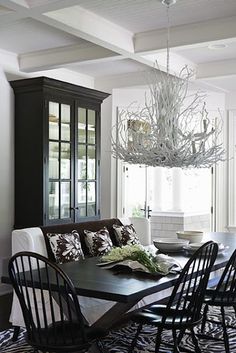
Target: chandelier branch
[{"x": 171, "y": 130}]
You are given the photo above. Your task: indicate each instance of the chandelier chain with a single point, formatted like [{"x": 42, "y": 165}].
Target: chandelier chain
[{"x": 168, "y": 40}]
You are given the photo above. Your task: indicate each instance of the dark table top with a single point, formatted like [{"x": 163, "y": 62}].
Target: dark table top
[{"x": 93, "y": 281}]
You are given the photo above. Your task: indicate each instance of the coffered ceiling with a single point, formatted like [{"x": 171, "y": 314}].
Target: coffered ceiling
[{"x": 101, "y": 38}]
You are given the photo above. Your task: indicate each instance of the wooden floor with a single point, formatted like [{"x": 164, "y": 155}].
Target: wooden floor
[{"x": 5, "y": 308}]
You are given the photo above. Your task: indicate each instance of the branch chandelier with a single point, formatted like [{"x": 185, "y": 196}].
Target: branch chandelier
[{"x": 173, "y": 129}]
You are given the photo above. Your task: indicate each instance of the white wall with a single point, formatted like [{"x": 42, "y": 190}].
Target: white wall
[{"x": 6, "y": 168}]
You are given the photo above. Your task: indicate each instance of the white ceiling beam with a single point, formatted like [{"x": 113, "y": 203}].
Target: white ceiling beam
[
  {"x": 21, "y": 5},
  {"x": 186, "y": 35},
  {"x": 89, "y": 25},
  {"x": 57, "y": 57},
  {"x": 95, "y": 29},
  {"x": 19, "y": 11},
  {"x": 14, "y": 5},
  {"x": 216, "y": 69}
]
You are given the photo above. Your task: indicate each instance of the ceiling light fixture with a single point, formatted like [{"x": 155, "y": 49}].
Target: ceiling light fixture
[
  {"x": 173, "y": 129},
  {"x": 218, "y": 46}
]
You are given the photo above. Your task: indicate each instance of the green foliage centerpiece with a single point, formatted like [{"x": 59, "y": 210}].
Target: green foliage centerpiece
[{"x": 137, "y": 253}]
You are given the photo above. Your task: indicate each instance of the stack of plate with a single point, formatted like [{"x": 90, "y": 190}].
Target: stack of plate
[
  {"x": 170, "y": 244},
  {"x": 191, "y": 248}
]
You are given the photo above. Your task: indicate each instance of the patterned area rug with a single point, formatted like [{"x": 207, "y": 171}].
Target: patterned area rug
[{"x": 118, "y": 341}]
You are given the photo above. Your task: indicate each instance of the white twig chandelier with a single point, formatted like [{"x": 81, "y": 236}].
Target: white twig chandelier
[{"x": 173, "y": 129}]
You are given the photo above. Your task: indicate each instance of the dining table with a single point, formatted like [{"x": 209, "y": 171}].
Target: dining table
[{"x": 127, "y": 289}]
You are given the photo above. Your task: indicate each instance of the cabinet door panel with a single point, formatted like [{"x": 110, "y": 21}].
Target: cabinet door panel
[
  {"x": 91, "y": 162},
  {"x": 53, "y": 200},
  {"x": 91, "y": 126},
  {"x": 91, "y": 205},
  {"x": 60, "y": 162},
  {"x": 81, "y": 125},
  {"x": 53, "y": 160},
  {"x": 65, "y": 200},
  {"x": 87, "y": 163},
  {"x": 53, "y": 121},
  {"x": 82, "y": 188},
  {"x": 82, "y": 162},
  {"x": 65, "y": 122},
  {"x": 65, "y": 161}
]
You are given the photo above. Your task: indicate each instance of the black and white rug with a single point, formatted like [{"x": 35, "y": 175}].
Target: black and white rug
[{"x": 118, "y": 341}]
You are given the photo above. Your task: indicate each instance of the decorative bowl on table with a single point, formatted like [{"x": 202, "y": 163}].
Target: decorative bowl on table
[
  {"x": 193, "y": 236},
  {"x": 170, "y": 244}
]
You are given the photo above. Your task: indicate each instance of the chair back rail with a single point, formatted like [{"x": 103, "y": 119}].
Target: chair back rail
[
  {"x": 47, "y": 329},
  {"x": 188, "y": 293},
  {"x": 226, "y": 287}
]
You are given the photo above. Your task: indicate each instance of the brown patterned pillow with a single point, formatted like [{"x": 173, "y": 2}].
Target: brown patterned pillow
[
  {"x": 126, "y": 235},
  {"x": 65, "y": 247},
  {"x": 98, "y": 243}
]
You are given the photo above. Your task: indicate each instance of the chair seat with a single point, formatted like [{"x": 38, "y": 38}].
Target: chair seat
[
  {"x": 46, "y": 338},
  {"x": 172, "y": 318},
  {"x": 219, "y": 298}
]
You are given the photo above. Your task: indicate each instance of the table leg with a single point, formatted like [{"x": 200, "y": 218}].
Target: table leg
[{"x": 113, "y": 316}]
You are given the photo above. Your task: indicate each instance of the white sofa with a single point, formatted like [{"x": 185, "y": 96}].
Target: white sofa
[{"x": 32, "y": 239}]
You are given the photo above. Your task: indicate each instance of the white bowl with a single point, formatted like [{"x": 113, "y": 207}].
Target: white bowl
[
  {"x": 191, "y": 235},
  {"x": 170, "y": 244}
]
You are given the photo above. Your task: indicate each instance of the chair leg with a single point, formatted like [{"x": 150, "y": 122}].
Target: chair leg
[
  {"x": 180, "y": 336},
  {"x": 176, "y": 345},
  {"x": 234, "y": 309},
  {"x": 204, "y": 318},
  {"x": 16, "y": 333},
  {"x": 133, "y": 343},
  {"x": 195, "y": 341},
  {"x": 225, "y": 333},
  {"x": 158, "y": 339}
]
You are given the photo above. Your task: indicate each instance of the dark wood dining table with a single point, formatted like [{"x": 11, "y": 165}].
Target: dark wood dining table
[{"x": 127, "y": 289}]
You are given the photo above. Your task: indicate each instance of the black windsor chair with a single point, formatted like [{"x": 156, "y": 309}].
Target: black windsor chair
[
  {"x": 60, "y": 329},
  {"x": 183, "y": 311},
  {"x": 223, "y": 295}
]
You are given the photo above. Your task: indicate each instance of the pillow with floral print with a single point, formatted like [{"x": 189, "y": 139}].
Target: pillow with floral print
[
  {"x": 65, "y": 247},
  {"x": 98, "y": 243},
  {"x": 126, "y": 235}
]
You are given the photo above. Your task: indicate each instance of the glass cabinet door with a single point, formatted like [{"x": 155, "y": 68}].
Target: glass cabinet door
[
  {"x": 87, "y": 174},
  {"x": 59, "y": 164}
]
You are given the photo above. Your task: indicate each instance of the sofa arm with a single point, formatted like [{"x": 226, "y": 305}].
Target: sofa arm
[{"x": 28, "y": 239}]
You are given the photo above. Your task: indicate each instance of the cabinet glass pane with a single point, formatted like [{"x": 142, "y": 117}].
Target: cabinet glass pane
[
  {"x": 81, "y": 162},
  {"x": 53, "y": 160},
  {"x": 81, "y": 125},
  {"x": 65, "y": 199},
  {"x": 53, "y": 200},
  {"x": 91, "y": 127},
  {"x": 65, "y": 122},
  {"x": 82, "y": 199},
  {"x": 65, "y": 161},
  {"x": 53, "y": 121},
  {"x": 91, "y": 207},
  {"x": 91, "y": 162}
]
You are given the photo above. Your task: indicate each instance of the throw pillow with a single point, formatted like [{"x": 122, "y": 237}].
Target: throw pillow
[
  {"x": 126, "y": 235},
  {"x": 65, "y": 247},
  {"x": 98, "y": 243}
]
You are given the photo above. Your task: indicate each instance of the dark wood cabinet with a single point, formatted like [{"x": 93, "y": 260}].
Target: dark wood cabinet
[{"x": 57, "y": 152}]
